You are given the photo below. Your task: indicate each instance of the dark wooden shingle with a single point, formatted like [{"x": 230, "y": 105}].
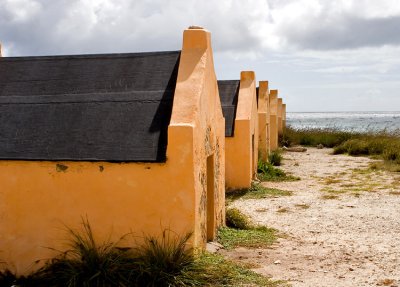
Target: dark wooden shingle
[
  {"x": 229, "y": 92},
  {"x": 113, "y": 107}
]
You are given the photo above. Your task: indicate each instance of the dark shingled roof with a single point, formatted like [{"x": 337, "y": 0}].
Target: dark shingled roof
[
  {"x": 257, "y": 92},
  {"x": 229, "y": 92},
  {"x": 113, "y": 107}
]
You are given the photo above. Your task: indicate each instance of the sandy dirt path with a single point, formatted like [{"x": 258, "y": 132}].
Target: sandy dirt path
[{"x": 341, "y": 225}]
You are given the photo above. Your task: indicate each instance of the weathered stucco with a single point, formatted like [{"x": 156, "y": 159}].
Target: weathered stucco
[
  {"x": 280, "y": 116},
  {"x": 197, "y": 105},
  {"x": 283, "y": 117},
  {"x": 241, "y": 150},
  {"x": 184, "y": 194},
  {"x": 263, "y": 120},
  {"x": 273, "y": 104}
]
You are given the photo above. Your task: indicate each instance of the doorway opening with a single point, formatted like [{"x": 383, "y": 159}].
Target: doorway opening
[{"x": 210, "y": 199}]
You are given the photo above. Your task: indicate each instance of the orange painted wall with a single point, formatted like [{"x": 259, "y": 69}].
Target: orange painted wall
[
  {"x": 37, "y": 199},
  {"x": 273, "y": 104},
  {"x": 241, "y": 150},
  {"x": 283, "y": 117},
  {"x": 263, "y": 120},
  {"x": 280, "y": 115}
]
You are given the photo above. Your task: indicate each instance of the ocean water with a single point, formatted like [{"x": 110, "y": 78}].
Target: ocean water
[{"x": 348, "y": 121}]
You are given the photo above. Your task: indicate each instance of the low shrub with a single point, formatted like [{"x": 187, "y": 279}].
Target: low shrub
[
  {"x": 392, "y": 153},
  {"x": 378, "y": 144},
  {"x": 313, "y": 137},
  {"x": 267, "y": 172},
  {"x": 8, "y": 278},
  {"x": 165, "y": 262},
  {"x": 353, "y": 147},
  {"x": 88, "y": 263},
  {"x": 236, "y": 219},
  {"x": 275, "y": 158}
]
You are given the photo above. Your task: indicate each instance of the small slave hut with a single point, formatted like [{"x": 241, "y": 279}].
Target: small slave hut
[
  {"x": 134, "y": 141},
  {"x": 263, "y": 120},
  {"x": 239, "y": 105}
]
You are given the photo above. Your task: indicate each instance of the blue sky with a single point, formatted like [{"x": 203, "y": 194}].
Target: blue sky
[{"x": 322, "y": 55}]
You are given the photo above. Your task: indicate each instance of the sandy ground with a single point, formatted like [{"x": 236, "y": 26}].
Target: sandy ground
[{"x": 341, "y": 225}]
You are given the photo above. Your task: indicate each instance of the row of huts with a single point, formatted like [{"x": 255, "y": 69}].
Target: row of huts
[{"x": 136, "y": 142}]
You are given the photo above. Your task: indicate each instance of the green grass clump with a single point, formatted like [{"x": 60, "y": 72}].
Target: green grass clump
[
  {"x": 241, "y": 232},
  {"x": 214, "y": 270},
  {"x": 267, "y": 172},
  {"x": 158, "y": 261},
  {"x": 165, "y": 262},
  {"x": 89, "y": 263},
  {"x": 236, "y": 219},
  {"x": 275, "y": 158},
  {"x": 256, "y": 191},
  {"x": 259, "y": 236},
  {"x": 7, "y": 278}
]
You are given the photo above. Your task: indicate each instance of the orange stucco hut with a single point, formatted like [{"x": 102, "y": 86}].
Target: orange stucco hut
[
  {"x": 263, "y": 120},
  {"x": 135, "y": 142},
  {"x": 239, "y": 106},
  {"x": 283, "y": 117},
  {"x": 280, "y": 117},
  {"x": 273, "y": 120}
]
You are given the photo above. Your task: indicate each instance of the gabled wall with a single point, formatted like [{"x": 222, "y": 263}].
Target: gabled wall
[
  {"x": 273, "y": 104},
  {"x": 263, "y": 120},
  {"x": 241, "y": 150},
  {"x": 184, "y": 194},
  {"x": 197, "y": 116}
]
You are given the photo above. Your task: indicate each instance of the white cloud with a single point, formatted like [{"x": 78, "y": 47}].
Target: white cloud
[{"x": 306, "y": 48}]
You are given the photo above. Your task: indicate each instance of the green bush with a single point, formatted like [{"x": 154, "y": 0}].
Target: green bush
[
  {"x": 268, "y": 169},
  {"x": 354, "y": 147},
  {"x": 275, "y": 158},
  {"x": 392, "y": 154},
  {"x": 236, "y": 219}
]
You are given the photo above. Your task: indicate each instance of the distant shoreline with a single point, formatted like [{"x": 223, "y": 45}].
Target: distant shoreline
[{"x": 345, "y": 121}]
